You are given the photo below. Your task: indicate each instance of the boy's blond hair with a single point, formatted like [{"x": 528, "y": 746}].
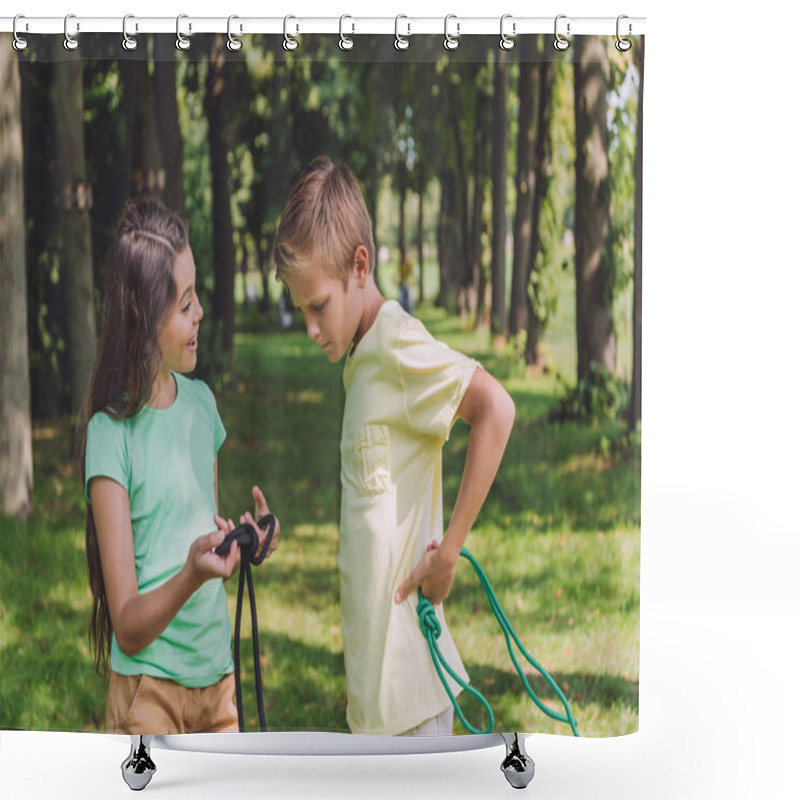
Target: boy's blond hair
[{"x": 325, "y": 218}]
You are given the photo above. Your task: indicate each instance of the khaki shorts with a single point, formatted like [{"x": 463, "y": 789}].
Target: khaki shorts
[{"x": 141, "y": 704}]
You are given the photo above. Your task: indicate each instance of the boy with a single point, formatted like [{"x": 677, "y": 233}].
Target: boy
[{"x": 403, "y": 392}]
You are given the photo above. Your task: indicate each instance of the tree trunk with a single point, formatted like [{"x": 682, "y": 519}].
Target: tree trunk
[
  {"x": 16, "y": 457},
  {"x": 523, "y": 216},
  {"x": 147, "y": 171},
  {"x": 474, "y": 267},
  {"x": 167, "y": 126},
  {"x": 635, "y": 414},
  {"x": 593, "y": 290},
  {"x": 543, "y": 155},
  {"x": 499, "y": 170},
  {"x": 222, "y": 226},
  {"x": 75, "y": 227}
]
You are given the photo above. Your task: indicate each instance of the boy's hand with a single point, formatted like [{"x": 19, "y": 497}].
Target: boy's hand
[
  {"x": 262, "y": 509},
  {"x": 433, "y": 574}
]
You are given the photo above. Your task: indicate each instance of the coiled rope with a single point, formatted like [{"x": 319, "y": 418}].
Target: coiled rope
[{"x": 431, "y": 630}]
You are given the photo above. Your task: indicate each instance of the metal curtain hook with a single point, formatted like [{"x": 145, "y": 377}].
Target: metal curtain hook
[
  {"x": 234, "y": 44},
  {"x": 401, "y": 42},
  {"x": 623, "y": 45},
  {"x": 506, "y": 42},
  {"x": 451, "y": 42},
  {"x": 19, "y": 43},
  {"x": 128, "y": 42},
  {"x": 560, "y": 42},
  {"x": 182, "y": 43},
  {"x": 70, "y": 42},
  {"x": 289, "y": 43},
  {"x": 345, "y": 42}
]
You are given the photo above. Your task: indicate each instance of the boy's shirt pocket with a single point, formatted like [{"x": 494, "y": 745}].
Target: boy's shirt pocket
[{"x": 370, "y": 460}]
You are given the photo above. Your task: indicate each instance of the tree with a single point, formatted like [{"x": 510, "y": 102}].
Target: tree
[
  {"x": 16, "y": 455},
  {"x": 499, "y": 168},
  {"x": 222, "y": 224},
  {"x": 166, "y": 119},
  {"x": 537, "y": 313},
  {"x": 596, "y": 337},
  {"x": 525, "y": 185},
  {"x": 75, "y": 228}
]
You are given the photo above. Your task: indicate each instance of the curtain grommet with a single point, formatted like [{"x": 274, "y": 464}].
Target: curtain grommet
[
  {"x": 623, "y": 45},
  {"x": 345, "y": 42},
  {"x": 401, "y": 42},
  {"x": 19, "y": 43},
  {"x": 128, "y": 42},
  {"x": 451, "y": 42},
  {"x": 70, "y": 41},
  {"x": 560, "y": 43},
  {"x": 506, "y": 42},
  {"x": 233, "y": 44},
  {"x": 182, "y": 42},
  {"x": 289, "y": 42}
]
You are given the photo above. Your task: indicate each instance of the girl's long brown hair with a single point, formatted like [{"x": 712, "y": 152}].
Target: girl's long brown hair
[{"x": 139, "y": 294}]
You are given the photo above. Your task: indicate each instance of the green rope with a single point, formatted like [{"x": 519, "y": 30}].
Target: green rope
[{"x": 431, "y": 630}]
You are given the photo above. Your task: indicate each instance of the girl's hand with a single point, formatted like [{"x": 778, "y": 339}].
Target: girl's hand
[
  {"x": 262, "y": 509},
  {"x": 205, "y": 564}
]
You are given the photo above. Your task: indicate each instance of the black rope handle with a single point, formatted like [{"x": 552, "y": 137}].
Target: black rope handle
[{"x": 247, "y": 538}]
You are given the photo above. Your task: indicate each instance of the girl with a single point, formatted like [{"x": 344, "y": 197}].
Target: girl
[{"x": 149, "y": 440}]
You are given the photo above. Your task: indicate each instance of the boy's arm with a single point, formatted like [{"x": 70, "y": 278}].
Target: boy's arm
[{"x": 489, "y": 411}]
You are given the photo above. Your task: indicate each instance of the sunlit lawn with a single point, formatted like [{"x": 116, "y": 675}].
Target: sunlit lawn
[{"x": 558, "y": 538}]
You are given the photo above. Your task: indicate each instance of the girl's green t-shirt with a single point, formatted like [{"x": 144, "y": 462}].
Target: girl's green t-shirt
[{"x": 165, "y": 459}]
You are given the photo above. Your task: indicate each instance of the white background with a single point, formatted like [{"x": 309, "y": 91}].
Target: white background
[{"x": 720, "y": 604}]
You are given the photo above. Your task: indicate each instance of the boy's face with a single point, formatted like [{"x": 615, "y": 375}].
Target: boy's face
[{"x": 332, "y": 310}]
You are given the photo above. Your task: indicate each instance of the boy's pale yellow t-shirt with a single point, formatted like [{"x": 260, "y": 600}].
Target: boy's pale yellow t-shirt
[{"x": 402, "y": 388}]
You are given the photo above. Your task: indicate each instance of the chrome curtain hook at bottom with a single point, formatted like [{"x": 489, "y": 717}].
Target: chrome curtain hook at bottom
[
  {"x": 560, "y": 43},
  {"x": 70, "y": 42},
  {"x": 20, "y": 42}
]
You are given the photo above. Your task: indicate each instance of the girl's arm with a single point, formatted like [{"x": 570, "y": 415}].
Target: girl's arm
[
  {"x": 138, "y": 619},
  {"x": 489, "y": 411}
]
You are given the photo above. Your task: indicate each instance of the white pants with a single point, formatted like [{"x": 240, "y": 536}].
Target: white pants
[{"x": 441, "y": 725}]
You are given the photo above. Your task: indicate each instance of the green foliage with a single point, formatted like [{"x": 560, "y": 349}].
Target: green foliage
[{"x": 600, "y": 396}]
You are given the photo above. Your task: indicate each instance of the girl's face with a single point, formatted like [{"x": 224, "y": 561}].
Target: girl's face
[{"x": 178, "y": 337}]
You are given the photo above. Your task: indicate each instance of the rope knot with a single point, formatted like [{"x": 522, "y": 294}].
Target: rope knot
[{"x": 428, "y": 620}]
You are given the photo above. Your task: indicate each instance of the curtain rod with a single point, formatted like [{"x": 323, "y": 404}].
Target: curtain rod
[{"x": 452, "y": 26}]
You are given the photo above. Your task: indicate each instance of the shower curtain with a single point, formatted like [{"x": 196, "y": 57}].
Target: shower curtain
[{"x": 502, "y": 176}]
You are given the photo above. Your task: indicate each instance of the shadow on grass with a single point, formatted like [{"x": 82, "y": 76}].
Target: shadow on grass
[{"x": 304, "y": 686}]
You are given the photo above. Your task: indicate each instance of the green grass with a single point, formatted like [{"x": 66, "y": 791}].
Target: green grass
[{"x": 558, "y": 538}]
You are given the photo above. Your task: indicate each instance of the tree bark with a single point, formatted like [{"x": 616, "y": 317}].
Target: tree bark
[
  {"x": 147, "y": 171},
  {"x": 167, "y": 125},
  {"x": 499, "y": 173},
  {"x": 525, "y": 180},
  {"x": 635, "y": 414},
  {"x": 16, "y": 456},
  {"x": 542, "y": 160},
  {"x": 222, "y": 227},
  {"x": 596, "y": 337},
  {"x": 75, "y": 226}
]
